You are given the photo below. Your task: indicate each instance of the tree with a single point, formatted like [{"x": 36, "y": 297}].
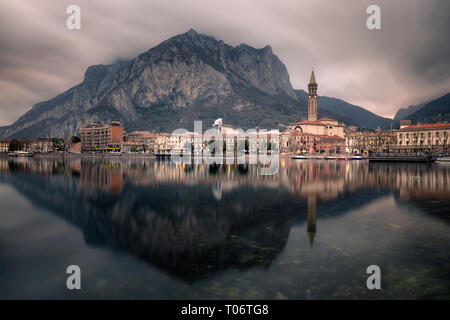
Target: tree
[
  {"x": 74, "y": 139},
  {"x": 58, "y": 144},
  {"x": 14, "y": 145}
]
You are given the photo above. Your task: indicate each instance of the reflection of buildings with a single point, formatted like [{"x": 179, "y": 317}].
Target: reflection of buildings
[
  {"x": 311, "y": 220},
  {"x": 323, "y": 180},
  {"x": 102, "y": 176},
  {"x": 197, "y": 220}
]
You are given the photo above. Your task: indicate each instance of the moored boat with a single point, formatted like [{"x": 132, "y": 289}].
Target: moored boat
[
  {"x": 443, "y": 159},
  {"x": 299, "y": 157}
]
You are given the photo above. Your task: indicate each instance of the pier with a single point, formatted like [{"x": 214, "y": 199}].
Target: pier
[{"x": 401, "y": 158}]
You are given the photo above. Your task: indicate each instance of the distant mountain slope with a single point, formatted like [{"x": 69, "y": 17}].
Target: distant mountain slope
[
  {"x": 185, "y": 78},
  {"x": 404, "y": 113},
  {"x": 347, "y": 112},
  {"x": 437, "y": 110}
]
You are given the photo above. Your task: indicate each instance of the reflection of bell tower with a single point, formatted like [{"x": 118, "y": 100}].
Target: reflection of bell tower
[
  {"x": 311, "y": 209},
  {"x": 312, "y": 98}
]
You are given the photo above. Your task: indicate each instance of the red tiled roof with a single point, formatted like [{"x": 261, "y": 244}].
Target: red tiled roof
[
  {"x": 138, "y": 133},
  {"x": 426, "y": 126},
  {"x": 369, "y": 134},
  {"x": 317, "y": 122}
]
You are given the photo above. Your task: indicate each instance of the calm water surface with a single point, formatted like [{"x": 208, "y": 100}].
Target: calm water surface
[{"x": 149, "y": 229}]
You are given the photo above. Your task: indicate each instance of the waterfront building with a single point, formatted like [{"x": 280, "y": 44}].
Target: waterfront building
[
  {"x": 307, "y": 143},
  {"x": 75, "y": 148},
  {"x": 102, "y": 138},
  {"x": 142, "y": 140},
  {"x": 432, "y": 137},
  {"x": 162, "y": 143},
  {"x": 131, "y": 146},
  {"x": 4, "y": 145},
  {"x": 365, "y": 143},
  {"x": 36, "y": 145},
  {"x": 137, "y": 136},
  {"x": 41, "y": 145}
]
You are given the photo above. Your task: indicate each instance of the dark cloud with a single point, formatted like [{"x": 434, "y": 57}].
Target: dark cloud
[{"x": 406, "y": 62}]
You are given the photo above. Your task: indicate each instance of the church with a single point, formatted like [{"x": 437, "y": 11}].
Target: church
[
  {"x": 324, "y": 126},
  {"x": 313, "y": 135}
]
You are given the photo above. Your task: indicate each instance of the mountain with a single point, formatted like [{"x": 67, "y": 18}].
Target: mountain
[
  {"x": 346, "y": 112},
  {"x": 404, "y": 113},
  {"x": 437, "y": 110},
  {"x": 188, "y": 77}
]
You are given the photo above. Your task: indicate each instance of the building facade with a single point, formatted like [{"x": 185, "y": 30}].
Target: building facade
[
  {"x": 365, "y": 143},
  {"x": 140, "y": 141},
  {"x": 100, "y": 138},
  {"x": 432, "y": 138},
  {"x": 4, "y": 145}
]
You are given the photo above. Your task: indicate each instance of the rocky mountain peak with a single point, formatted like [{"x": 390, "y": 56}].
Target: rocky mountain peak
[{"x": 188, "y": 77}]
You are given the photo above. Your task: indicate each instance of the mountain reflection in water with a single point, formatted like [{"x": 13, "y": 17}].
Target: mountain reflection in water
[{"x": 195, "y": 221}]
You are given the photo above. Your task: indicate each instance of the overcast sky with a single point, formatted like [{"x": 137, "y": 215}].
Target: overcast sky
[{"x": 407, "y": 62}]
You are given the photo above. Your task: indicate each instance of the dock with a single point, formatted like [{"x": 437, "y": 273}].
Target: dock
[{"x": 401, "y": 158}]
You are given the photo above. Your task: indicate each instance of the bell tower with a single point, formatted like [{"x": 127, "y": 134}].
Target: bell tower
[{"x": 312, "y": 98}]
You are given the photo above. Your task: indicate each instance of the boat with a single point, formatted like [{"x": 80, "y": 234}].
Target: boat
[
  {"x": 330, "y": 158},
  {"x": 20, "y": 154},
  {"x": 443, "y": 159},
  {"x": 355, "y": 157},
  {"x": 299, "y": 157},
  {"x": 23, "y": 154}
]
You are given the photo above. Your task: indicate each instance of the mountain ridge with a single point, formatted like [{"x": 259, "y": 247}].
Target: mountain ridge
[
  {"x": 207, "y": 79},
  {"x": 435, "y": 110}
]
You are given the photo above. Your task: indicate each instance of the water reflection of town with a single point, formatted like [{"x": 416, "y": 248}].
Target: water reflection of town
[
  {"x": 324, "y": 180},
  {"x": 193, "y": 220}
]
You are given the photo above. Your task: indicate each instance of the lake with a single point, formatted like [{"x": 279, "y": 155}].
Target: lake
[{"x": 142, "y": 228}]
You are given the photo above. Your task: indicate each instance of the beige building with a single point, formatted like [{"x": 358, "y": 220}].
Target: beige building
[
  {"x": 322, "y": 127},
  {"x": 367, "y": 142},
  {"x": 143, "y": 141},
  {"x": 162, "y": 143},
  {"x": 4, "y": 145},
  {"x": 432, "y": 137},
  {"x": 42, "y": 145}
]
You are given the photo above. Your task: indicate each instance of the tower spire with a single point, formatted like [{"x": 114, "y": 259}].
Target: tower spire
[
  {"x": 312, "y": 80},
  {"x": 312, "y": 97}
]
